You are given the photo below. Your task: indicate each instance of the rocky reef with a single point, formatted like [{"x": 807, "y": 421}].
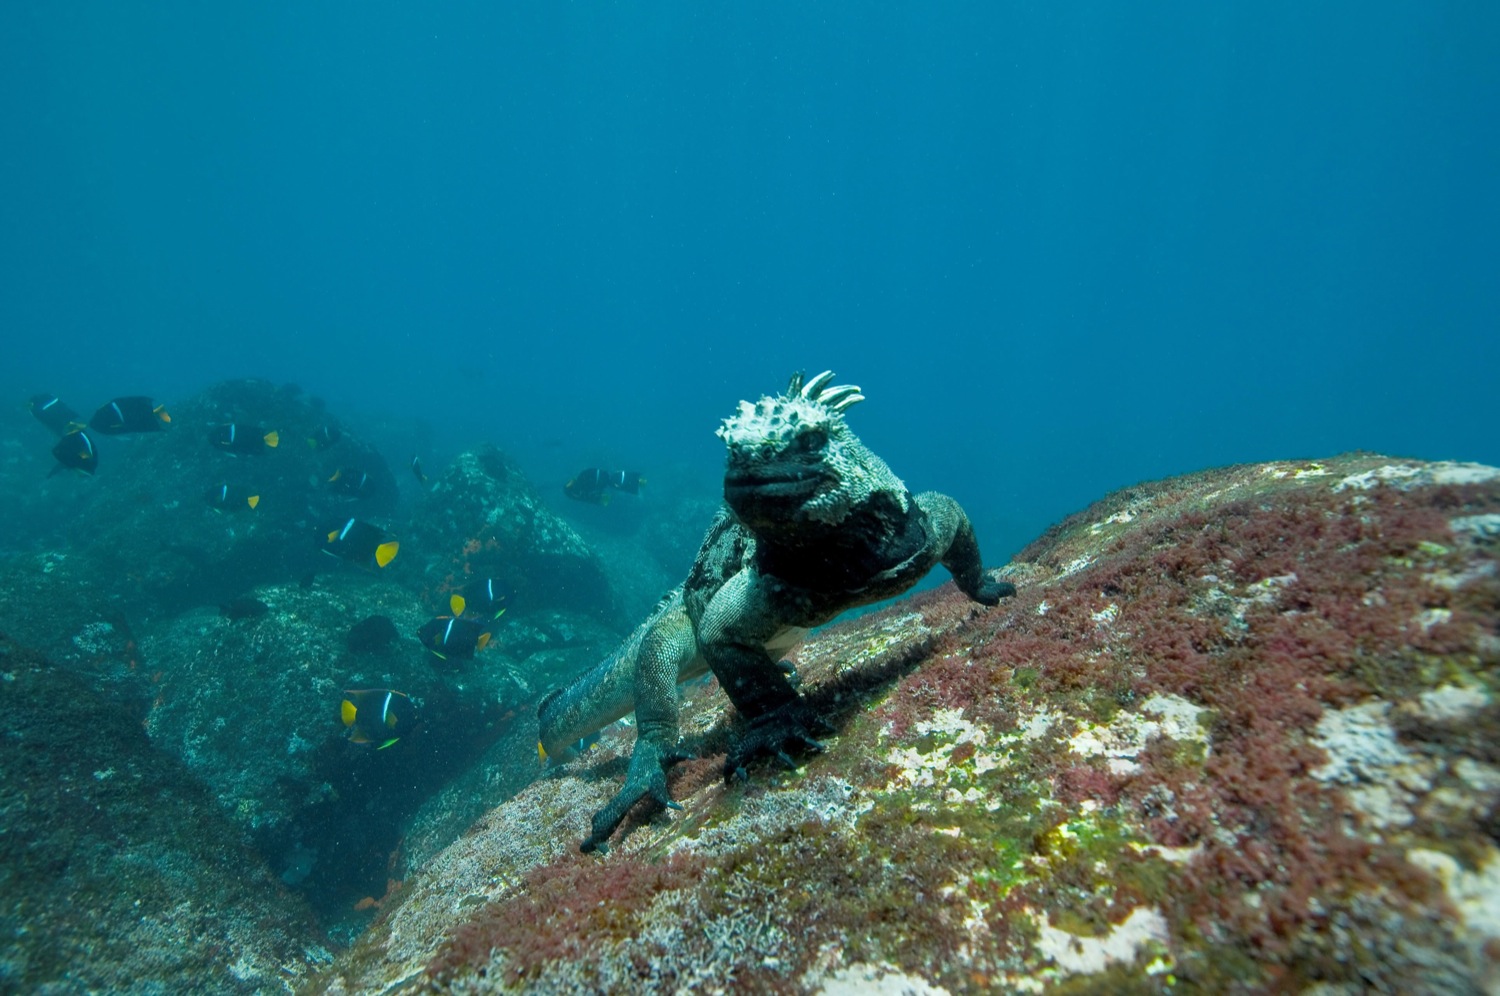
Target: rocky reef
[
  {"x": 1239, "y": 732},
  {"x": 217, "y": 642},
  {"x": 118, "y": 872}
]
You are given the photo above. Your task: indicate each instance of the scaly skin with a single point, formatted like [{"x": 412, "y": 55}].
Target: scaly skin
[{"x": 815, "y": 524}]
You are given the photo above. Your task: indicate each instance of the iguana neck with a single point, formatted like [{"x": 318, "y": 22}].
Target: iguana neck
[{"x": 875, "y": 537}]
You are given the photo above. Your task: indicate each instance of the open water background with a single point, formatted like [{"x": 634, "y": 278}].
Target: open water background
[{"x": 1063, "y": 247}]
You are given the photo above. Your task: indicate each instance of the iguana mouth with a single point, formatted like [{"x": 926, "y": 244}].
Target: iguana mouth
[{"x": 790, "y": 484}]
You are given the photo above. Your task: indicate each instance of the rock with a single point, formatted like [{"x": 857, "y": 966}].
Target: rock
[
  {"x": 252, "y": 707},
  {"x": 482, "y": 518},
  {"x": 146, "y": 543},
  {"x": 1237, "y": 732},
  {"x": 543, "y": 651},
  {"x": 118, "y": 873}
]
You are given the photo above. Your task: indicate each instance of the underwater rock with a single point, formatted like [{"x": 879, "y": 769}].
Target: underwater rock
[
  {"x": 147, "y": 535},
  {"x": 118, "y": 873},
  {"x": 253, "y": 706},
  {"x": 543, "y": 650},
  {"x": 482, "y": 518},
  {"x": 1238, "y": 731}
]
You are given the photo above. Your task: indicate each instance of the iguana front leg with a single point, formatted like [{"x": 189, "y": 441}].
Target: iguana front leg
[
  {"x": 744, "y": 618},
  {"x": 665, "y": 652},
  {"x": 958, "y": 550}
]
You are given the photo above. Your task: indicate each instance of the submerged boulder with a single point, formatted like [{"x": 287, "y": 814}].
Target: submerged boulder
[
  {"x": 118, "y": 873},
  {"x": 253, "y": 707},
  {"x": 483, "y": 519},
  {"x": 149, "y": 535},
  {"x": 1238, "y": 731}
]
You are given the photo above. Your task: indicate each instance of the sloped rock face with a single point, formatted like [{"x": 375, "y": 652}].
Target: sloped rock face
[
  {"x": 505, "y": 531},
  {"x": 118, "y": 873},
  {"x": 1238, "y": 732}
]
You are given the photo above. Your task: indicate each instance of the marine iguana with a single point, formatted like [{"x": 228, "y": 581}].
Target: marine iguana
[{"x": 814, "y": 524}]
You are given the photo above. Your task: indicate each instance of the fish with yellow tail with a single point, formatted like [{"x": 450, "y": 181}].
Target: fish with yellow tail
[
  {"x": 359, "y": 542},
  {"x": 232, "y": 437},
  {"x": 376, "y": 716}
]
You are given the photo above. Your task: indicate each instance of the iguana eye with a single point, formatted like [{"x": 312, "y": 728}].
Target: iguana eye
[{"x": 811, "y": 442}]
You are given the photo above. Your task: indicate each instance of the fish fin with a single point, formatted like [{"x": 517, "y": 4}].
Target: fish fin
[
  {"x": 348, "y": 712},
  {"x": 333, "y": 536},
  {"x": 456, "y": 603},
  {"x": 541, "y": 753},
  {"x": 336, "y": 474},
  {"x": 387, "y": 743},
  {"x": 272, "y": 438},
  {"x": 386, "y": 552},
  {"x": 604, "y": 499},
  {"x": 160, "y": 411},
  {"x": 253, "y": 500},
  {"x": 390, "y": 720},
  {"x": 483, "y": 641}
]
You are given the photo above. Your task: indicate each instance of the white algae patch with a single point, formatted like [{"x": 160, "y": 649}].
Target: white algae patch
[
  {"x": 1406, "y": 476},
  {"x": 929, "y": 768},
  {"x": 1452, "y": 703},
  {"x": 1485, "y": 526},
  {"x": 1474, "y": 894},
  {"x": 877, "y": 980},
  {"x": 1074, "y": 954},
  {"x": 1128, "y": 733},
  {"x": 1378, "y": 774}
]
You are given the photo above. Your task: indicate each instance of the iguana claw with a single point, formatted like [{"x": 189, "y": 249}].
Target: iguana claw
[
  {"x": 647, "y": 778},
  {"x": 792, "y": 725}
]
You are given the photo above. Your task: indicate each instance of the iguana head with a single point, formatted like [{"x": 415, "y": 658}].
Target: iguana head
[{"x": 794, "y": 463}]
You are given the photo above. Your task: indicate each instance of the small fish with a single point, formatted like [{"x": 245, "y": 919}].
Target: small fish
[
  {"x": 231, "y": 498},
  {"x": 361, "y": 543},
  {"x": 484, "y": 598},
  {"x": 372, "y": 635},
  {"x": 375, "y": 715},
  {"x": 54, "y": 414},
  {"x": 235, "y": 438},
  {"x": 325, "y": 436},
  {"x": 75, "y": 451},
  {"x": 450, "y": 636},
  {"x": 133, "y": 414},
  {"x": 593, "y": 485},
  {"x": 349, "y": 482},
  {"x": 416, "y": 469},
  {"x": 243, "y": 607}
]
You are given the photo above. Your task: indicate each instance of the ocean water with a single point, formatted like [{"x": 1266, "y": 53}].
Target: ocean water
[{"x": 1062, "y": 247}]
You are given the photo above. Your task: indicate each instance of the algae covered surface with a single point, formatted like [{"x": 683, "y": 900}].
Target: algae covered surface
[{"x": 1238, "y": 731}]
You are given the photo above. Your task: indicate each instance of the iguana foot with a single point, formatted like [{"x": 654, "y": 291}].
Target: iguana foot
[
  {"x": 792, "y": 725},
  {"x": 647, "y": 777},
  {"x": 990, "y": 592}
]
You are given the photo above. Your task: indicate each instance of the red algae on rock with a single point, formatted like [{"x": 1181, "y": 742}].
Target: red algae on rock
[{"x": 1238, "y": 732}]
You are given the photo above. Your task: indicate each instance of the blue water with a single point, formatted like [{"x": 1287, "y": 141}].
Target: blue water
[{"x": 1063, "y": 247}]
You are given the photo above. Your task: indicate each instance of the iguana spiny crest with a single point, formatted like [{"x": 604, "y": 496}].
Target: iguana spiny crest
[{"x": 793, "y": 460}]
